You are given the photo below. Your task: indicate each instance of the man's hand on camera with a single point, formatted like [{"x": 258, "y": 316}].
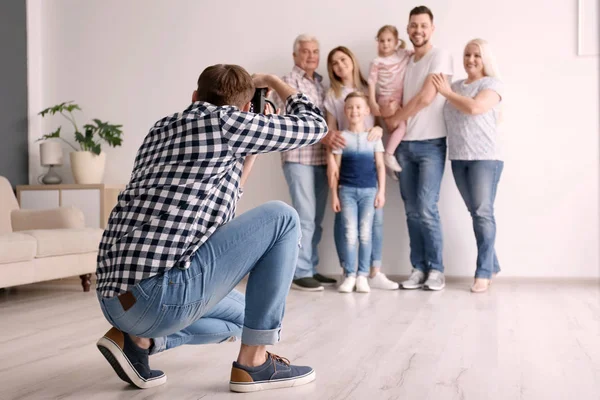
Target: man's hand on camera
[
  {"x": 263, "y": 80},
  {"x": 269, "y": 110},
  {"x": 282, "y": 89},
  {"x": 275, "y": 83}
]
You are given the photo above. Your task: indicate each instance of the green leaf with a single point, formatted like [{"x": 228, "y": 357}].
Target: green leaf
[
  {"x": 109, "y": 133},
  {"x": 79, "y": 138},
  {"x": 55, "y": 134},
  {"x": 72, "y": 107},
  {"x": 64, "y": 106},
  {"x": 89, "y": 134},
  {"x": 96, "y": 148}
]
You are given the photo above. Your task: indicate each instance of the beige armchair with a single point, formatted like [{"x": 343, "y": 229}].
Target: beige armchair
[{"x": 39, "y": 245}]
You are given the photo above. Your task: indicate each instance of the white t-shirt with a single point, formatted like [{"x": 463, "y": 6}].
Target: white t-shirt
[
  {"x": 335, "y": 106},
  {"x": 429, "y": 122}
]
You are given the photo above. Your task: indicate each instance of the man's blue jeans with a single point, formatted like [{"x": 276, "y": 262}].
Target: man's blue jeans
[
  {"x": 477, "y": 182},
  {"x": 199, "y": 305},
  {"x": 308, "y": 190},
  {"x": 358, "y": 209},
  {"x": 423, "y": 163}
]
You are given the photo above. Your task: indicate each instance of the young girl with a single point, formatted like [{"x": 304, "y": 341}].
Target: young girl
[
  {"x": 359, "y": 190},
  {"x": 386, "y": 78},
  {"x": 345, "y": 77}
]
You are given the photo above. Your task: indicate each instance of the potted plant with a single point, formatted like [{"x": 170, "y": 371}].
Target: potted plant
[{"x": 88, "y": 162}]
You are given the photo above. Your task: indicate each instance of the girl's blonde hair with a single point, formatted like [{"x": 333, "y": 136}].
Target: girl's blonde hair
[
  {"x": 487, "y": 57},
  {"x": 391, "y": 29},
  {"x": 360, "y": 83}
]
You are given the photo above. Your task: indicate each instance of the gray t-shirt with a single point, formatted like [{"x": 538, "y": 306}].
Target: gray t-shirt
[{"x": 473, "y": 137}]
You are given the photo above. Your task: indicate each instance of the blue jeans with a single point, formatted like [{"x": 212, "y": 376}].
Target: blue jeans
[
  {"x": 308, "y": 190},
  {"x": 199, "y": 305},
  {"x": 358, "y": 209},
  {"x": 376, "y": 243},
  {"x": 423, "y": 163},
  {"x": 477, "y": 182}
]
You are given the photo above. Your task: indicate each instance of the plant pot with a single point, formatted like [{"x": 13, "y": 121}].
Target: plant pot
[{"x": 87, "y": 167}]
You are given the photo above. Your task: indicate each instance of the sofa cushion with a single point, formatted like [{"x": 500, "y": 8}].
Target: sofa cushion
[
  {"x": 8, "y": 202},
  {"x": 15, "y": 247},
  {"x": 58, "y": 242}
]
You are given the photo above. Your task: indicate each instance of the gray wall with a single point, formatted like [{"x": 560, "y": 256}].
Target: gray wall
[{"x": 13, "y": 91}]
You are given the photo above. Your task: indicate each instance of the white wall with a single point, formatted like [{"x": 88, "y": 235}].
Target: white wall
[{"x": 133, "y": 62}]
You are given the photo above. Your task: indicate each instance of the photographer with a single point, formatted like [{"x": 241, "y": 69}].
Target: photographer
[{"x": 172, "y": 253}]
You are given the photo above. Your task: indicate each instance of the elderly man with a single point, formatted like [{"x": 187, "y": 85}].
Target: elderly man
[{"x": 305, "y": 169}]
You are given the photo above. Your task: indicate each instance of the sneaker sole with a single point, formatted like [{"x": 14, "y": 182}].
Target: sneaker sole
[
  {"x": 248, "y": 387},
  {"x": 305, "y": 289},
  {"x": 328, "y": 284},
  {"x": 406, "y": 287},
  {"x": 434, "y": 288},
  {"x": 363, "y": 290},
  {"x": 384, "y": 288},
  {"x": 123, "y": 368}
]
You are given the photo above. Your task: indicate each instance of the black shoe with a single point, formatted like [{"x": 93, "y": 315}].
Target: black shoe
[
  {"x": 128, "y": 360},
  {"x": 325, "y": 281},
  {"x": 307, "y": 284}
]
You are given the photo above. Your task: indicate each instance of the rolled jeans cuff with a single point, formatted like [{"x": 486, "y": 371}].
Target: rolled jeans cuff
[
  {"x": 376, "y": 263},
  {"x": 253, "y": 337},
  {"x": 160, "y": 344}
]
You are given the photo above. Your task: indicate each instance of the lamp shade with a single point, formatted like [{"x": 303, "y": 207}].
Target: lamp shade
[{"x": 51, "y": 153}]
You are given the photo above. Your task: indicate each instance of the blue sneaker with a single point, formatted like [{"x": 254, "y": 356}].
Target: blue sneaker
[
  {"x": 129, "y": 361},
  {"x": 275, "y": 373}
]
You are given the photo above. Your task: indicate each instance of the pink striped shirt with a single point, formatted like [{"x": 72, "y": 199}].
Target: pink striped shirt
[{"x": 388, "y": 74}]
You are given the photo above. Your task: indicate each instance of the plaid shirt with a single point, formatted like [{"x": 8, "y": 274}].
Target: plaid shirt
[
  {"x": 314, "y": 90},
  {"x": 186, "y": 183}
]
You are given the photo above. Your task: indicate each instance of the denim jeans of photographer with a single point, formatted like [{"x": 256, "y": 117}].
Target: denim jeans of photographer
[{"x": 199, "y": 305}]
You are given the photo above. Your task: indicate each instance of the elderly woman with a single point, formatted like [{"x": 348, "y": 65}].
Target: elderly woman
[{"x": 472, "y": 114}]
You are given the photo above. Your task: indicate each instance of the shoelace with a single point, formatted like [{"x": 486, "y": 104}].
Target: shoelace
[{"x": 275, "y": 357}]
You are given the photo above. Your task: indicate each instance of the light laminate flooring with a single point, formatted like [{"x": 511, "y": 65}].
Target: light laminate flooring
[{"x": 521, "y": 340}]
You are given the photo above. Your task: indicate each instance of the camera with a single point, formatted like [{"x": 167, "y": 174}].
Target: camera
[{"x": 259, "y": 100}]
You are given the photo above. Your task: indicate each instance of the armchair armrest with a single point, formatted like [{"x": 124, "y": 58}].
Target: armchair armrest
[{"x": 55, "y": 218}]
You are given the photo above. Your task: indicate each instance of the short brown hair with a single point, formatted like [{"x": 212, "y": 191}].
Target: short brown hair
[
  {"x": 421, "y": 10},
  {"x": 225, "y": 84},
  {"x": 394, "y": 31},
  {"x": 357, "y": 94}
]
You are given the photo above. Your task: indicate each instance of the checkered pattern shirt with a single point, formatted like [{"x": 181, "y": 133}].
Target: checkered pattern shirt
[
  {"x": 314, "y": 90},
  {"x": 186, "y": 183}
]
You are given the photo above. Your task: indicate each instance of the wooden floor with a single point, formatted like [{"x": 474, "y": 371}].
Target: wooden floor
[{"x": 525, "y": 340}]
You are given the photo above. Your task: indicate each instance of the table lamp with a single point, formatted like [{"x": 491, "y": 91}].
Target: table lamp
[{"x": 51, "y": 155}]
